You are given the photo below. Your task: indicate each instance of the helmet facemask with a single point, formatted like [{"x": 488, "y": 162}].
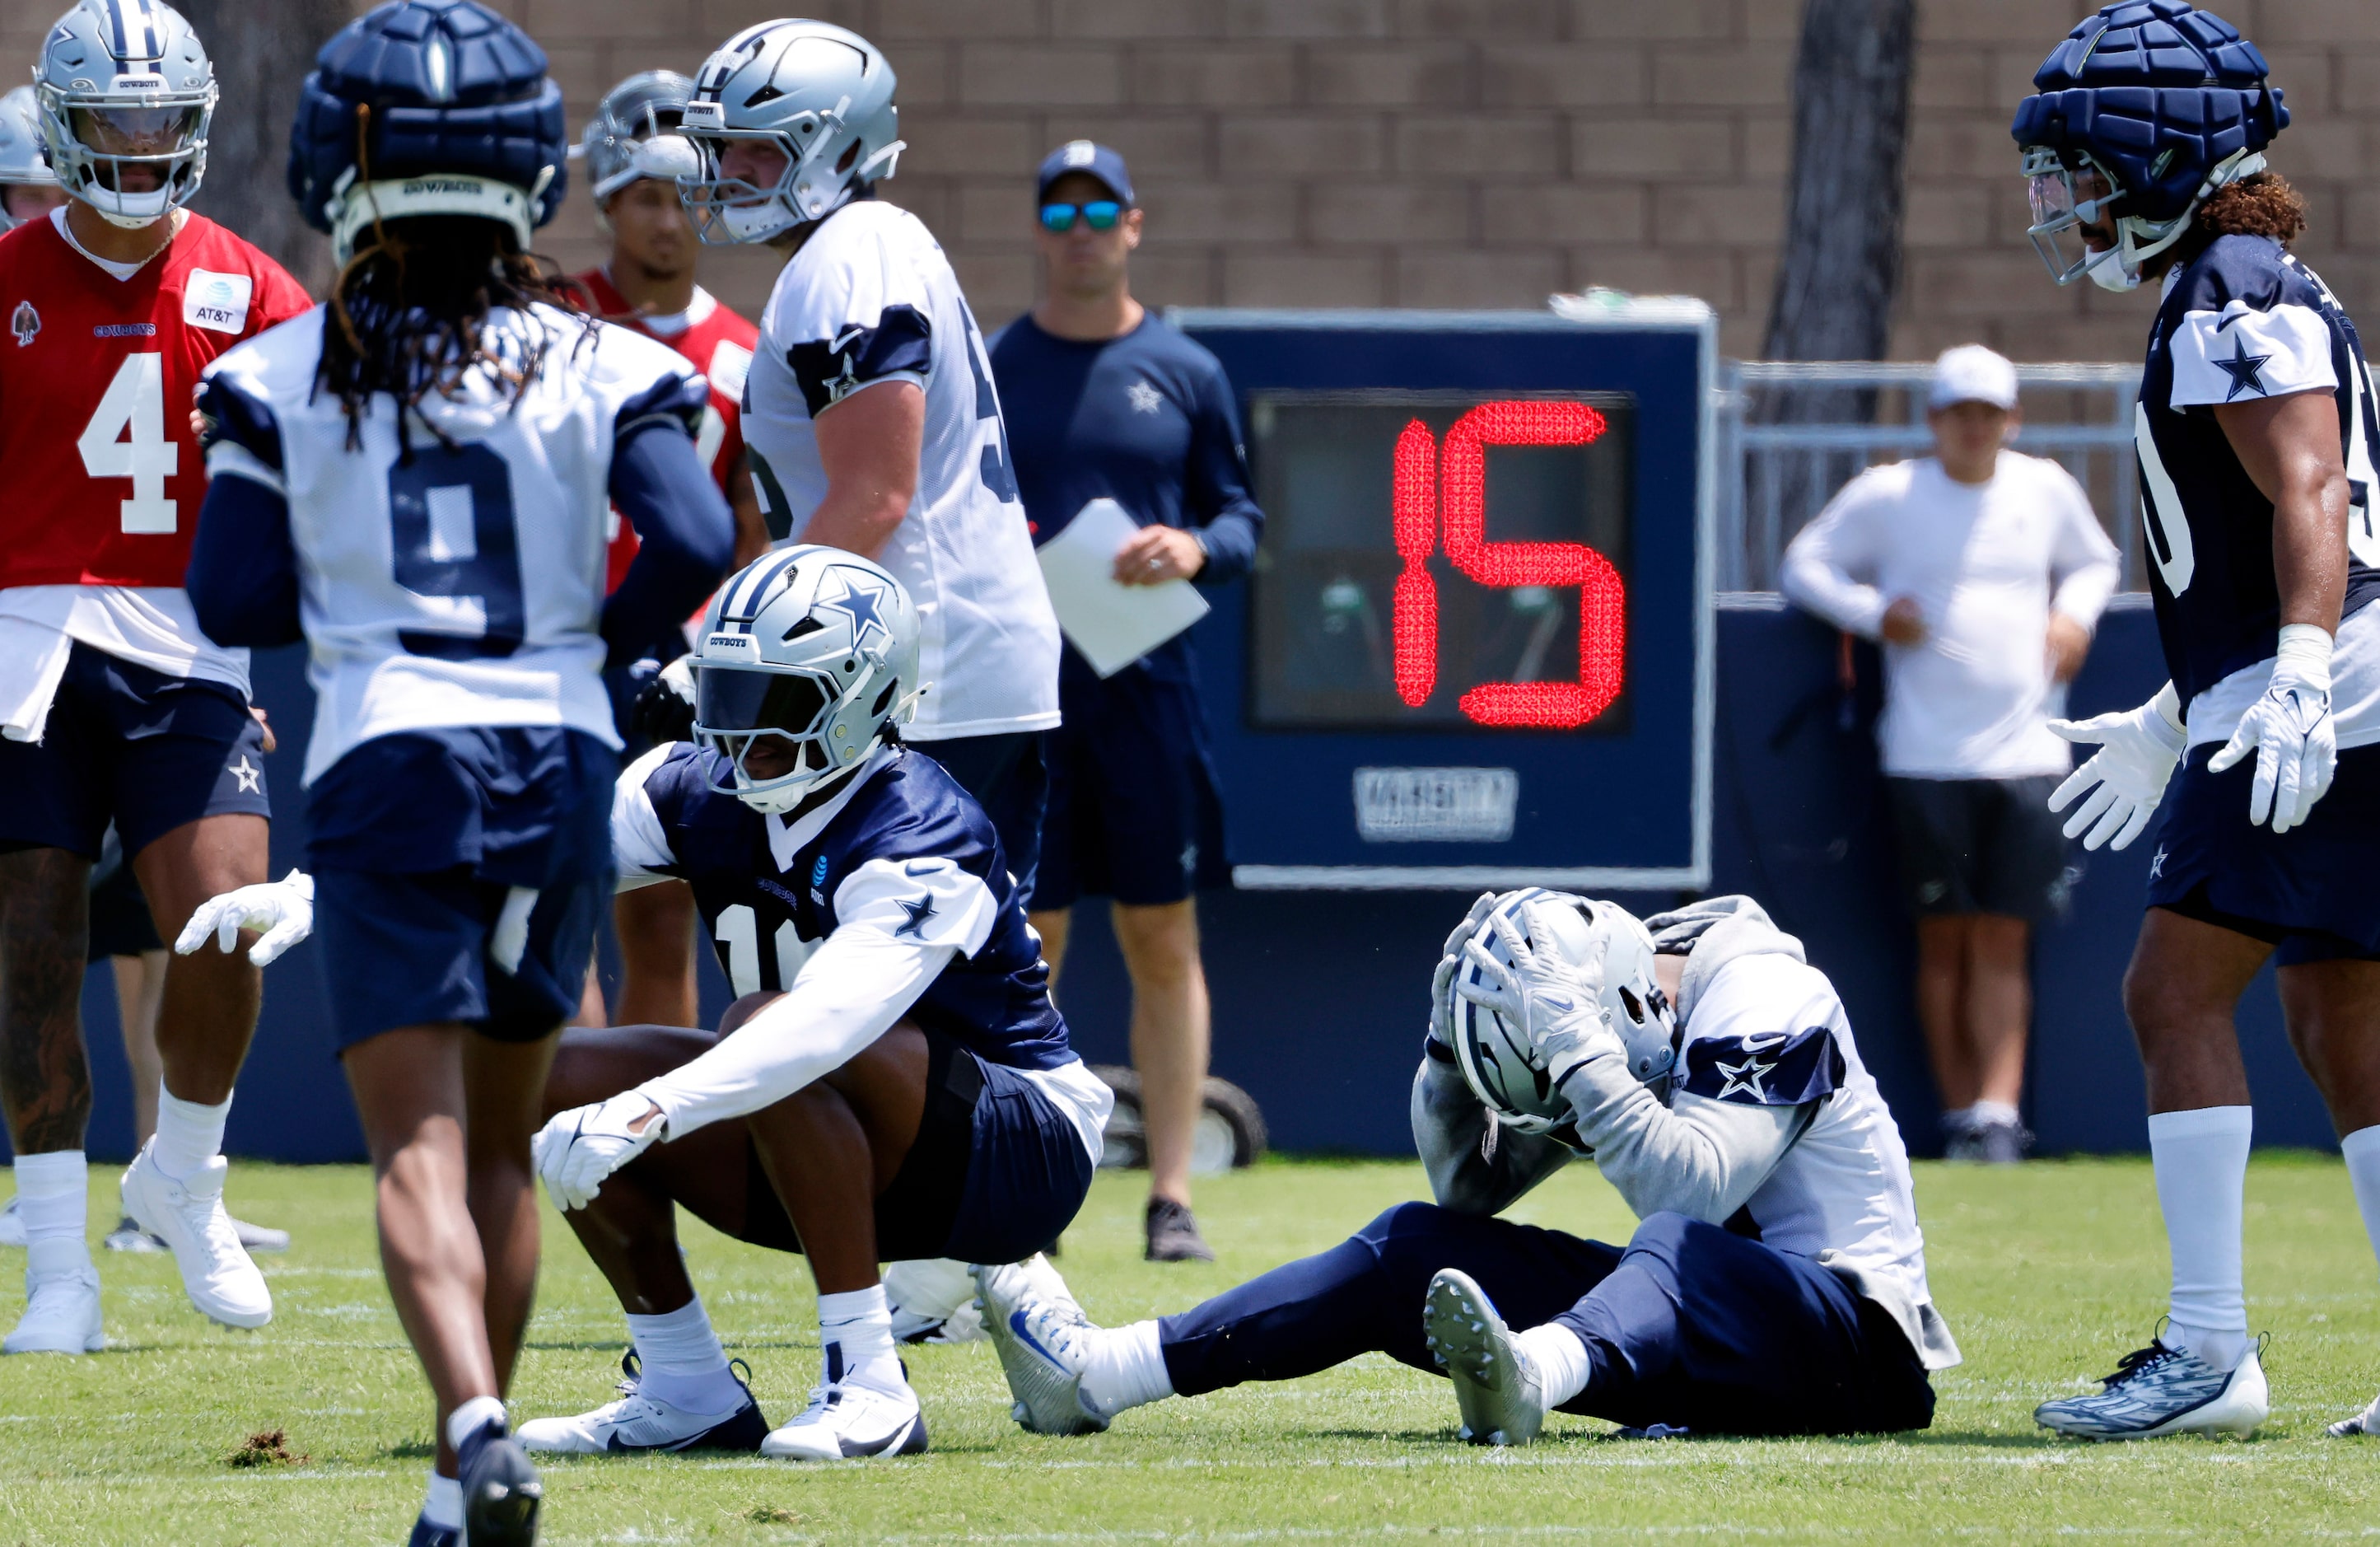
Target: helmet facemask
[
  {"x": 822, "y": 172},
  {"x": 133, "y": 160},
  {"x": 2070, "y": 194},
  {"x": 739, "y": 708}
]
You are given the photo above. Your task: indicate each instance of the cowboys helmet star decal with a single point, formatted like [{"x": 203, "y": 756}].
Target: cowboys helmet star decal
[{"x": 863, "y": 603}]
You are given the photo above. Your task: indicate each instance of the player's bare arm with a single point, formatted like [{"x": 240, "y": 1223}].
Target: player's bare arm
[
  {"x": 2290, "y": 448},
  {"x": 868, "y": 444}
]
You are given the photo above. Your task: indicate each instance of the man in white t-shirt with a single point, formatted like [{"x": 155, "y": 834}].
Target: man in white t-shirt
[
  {"x": 1983, "y": 572},
  {"x": 869, "y": 414}
]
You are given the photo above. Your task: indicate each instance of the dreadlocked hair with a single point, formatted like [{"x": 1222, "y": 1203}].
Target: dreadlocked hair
[
  {"x": 2261, "y": 204},
  {"x": 409, "y": 314}
]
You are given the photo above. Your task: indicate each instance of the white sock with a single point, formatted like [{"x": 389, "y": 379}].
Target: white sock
[
  {"x": 1126, "y": 1369},
  {"x": 467, "y": 1419},
  {"x": 2201, "y": 1176},
  {"x": 684, "y": 1364},
  {"x": 859, "y": 1322},
  {"x": 2362, "y": 1149},
  {"x": 54, "y": 1199},
  {"x": 443, "y": 1507},
  {"x": 188, "y": 1135},
  {"x": 1561, "y": 1360},
  {"x": 1984, "y": 1113}
]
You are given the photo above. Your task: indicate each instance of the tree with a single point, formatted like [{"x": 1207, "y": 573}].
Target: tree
[{"x": 262, "y": 50}]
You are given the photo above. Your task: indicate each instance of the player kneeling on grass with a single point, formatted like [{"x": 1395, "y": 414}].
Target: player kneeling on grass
[
  {"x": 900, "y": 1085},
  {"x": 1777, "y": 1284}
]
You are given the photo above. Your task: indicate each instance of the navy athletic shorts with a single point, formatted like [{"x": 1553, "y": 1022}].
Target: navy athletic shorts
[
  {"x": 1133, "y": 812},
  {"x": 1009, "y": 780},
  {"x": 148, "y": 751},
  {"x": 460, "y": 875},
  {"x": 2309, "y": 892},
  {"x": 996, "y": 1175}
]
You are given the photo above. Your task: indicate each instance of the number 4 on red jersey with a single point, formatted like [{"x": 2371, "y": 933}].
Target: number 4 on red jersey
[{"x": 97, "y": 380}]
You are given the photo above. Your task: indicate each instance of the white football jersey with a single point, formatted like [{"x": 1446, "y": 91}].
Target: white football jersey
[
  {"x": 459, "y": 586},
  {"x": 870, "y": 297}
]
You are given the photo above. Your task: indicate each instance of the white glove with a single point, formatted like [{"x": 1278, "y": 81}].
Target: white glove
[
  {"x": 1551, "y": 1001},
  {"x": 581, "y": 1147},
  {"x": 1450, "y": 958},
  {"x": 2295, "y": 739},
  {"x": 2137, "y": 751},
  {"x": 283, "y": 910}
]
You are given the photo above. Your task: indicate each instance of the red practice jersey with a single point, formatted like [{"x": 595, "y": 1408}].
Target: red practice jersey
[
  {"x": 98, "y": 379},
  {"x": 720, "y": 343}
]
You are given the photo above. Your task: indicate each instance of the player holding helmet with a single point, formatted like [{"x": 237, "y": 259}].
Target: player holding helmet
[
  {"x": 113, "y": 703},
  {"x": 893, "y": 1081},
  {"x": 1777, "y": 1284},
  {"x": 873, "y": 423},
  {"x": 415, "y": 480},
  {"x": 2145, "y": 151}
]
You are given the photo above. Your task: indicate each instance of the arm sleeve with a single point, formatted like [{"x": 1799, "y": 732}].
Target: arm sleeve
[
  {"x": 854, "y": 324},
  {"x": 1825, "y": 563},
  {"x": 2085, "y": 567},
  {"x": 899, "y": 925},
  {"x": 1475, "y": 1166},
  {"x": 2243, "y": 352},
  {"x": 685, "y": 531},
  {"x": 1230, "y": 524},
  {"x": 242, "y": 580}
]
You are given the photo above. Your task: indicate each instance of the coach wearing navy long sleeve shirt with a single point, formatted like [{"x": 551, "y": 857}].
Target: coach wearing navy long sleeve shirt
[{"x": 1102, "y": 400}]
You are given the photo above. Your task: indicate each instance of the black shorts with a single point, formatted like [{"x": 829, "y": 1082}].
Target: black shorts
[
  {"x": 124, "y": 744},
  {"x": 1133, "y": 812},
  {"x": 1981, "y": 845},
  {"x": 120, "y": 921},
  {"x": 996, "y": 1175},
  {"x": 2308, "y": 893}
]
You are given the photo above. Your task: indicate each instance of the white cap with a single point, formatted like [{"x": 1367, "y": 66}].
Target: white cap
[{"x": 1972, "y": 374}]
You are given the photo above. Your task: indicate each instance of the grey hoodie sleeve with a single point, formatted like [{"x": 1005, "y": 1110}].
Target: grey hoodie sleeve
[
  {"x": 1476, "y": 1166},
  {"x": 1697, "y": 1157}
]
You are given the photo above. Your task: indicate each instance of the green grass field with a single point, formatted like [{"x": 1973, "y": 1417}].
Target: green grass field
[{"x": 2047, "y": 1274}]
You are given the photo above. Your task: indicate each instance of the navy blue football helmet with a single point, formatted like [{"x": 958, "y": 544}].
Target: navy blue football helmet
[
  {"x": 428, "y": 107},
  {"x": 2145, "y": 109}
]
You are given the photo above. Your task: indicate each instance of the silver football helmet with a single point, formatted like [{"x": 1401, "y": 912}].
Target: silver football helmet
[
  {"x": 821, "y": 95},
  {"x": 812, "y": 645},
  {"x": 1498, "y": 1060},
  {"x": 24, "y": 159},
  {"x": 634, "y": 134},
  {"x": 125, "y": 94}
]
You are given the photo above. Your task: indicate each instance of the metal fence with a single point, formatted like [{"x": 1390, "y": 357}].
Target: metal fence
[{"x": 1781, "y": 462}]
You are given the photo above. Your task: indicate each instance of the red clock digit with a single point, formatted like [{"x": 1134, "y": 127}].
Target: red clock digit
[{"x": 1461, "y": 506}]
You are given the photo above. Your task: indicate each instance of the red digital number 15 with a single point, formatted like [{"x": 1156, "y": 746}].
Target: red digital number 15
[{"x": 1428, "y": 495}]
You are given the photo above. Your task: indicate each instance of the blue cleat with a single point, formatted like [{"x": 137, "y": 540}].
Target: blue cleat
[
  {"x": 426, "y": 1535},
  {"x": 2157, "y": 1390},
  {"x": 501, "y": 1492}
]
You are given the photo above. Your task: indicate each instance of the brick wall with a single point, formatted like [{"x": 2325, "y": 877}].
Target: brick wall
[{"x": 1471, "y": 153}]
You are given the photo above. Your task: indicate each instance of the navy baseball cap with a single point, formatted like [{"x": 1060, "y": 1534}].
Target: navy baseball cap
[{"x": 1081, "y": 155}]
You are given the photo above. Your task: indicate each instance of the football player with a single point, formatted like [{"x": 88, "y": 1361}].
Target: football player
[
  {"x": 2145, "y": 151},
  {"x": 414, "y": 479},
  {"x": 894, "y": 1083},
  {"x": 113, "y": 705},
  {"x": 633, "y": 159},
  {"x": 872, "y": 423},
  {"x": 1776, "y": 1286},
  {"x": 29, "y": 190}
]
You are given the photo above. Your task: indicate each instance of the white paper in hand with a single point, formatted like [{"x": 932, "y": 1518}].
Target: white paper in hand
[{"x": 1112, "y": 625}]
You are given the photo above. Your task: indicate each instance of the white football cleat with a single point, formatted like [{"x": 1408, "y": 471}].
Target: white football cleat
[
  {"x": 1496, "y": 1387},
  {"x": 2156, "y": 1390},
  {"x": 846, "y": 1419},
  {"x": 932, "y": 1301},
  {"x": 639, "y": 1423},
  {"x": 12, "y": 1225},
  {"x": 61, "y": 1315},
  {"x": 1043, "y": 1340},
  {"x": 189, "y": 1217},
  {"x": 2365, "y": 1422}
]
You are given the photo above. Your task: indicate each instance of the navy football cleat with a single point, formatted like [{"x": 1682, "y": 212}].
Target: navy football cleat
[
  {"x": 501, "y": 1492},
  {"x": 426, "y": 1535}
]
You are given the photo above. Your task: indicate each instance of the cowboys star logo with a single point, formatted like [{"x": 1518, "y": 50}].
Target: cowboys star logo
[{"x": 25, "y": 323}]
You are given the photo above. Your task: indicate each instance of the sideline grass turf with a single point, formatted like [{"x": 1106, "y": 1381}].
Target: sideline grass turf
[{"x": 2047, "y": 1274}]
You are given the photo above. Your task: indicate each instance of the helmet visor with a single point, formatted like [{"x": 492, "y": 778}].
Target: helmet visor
[
  {"x": 137, "y": 132},
  {"x": 732, "y": 702}
]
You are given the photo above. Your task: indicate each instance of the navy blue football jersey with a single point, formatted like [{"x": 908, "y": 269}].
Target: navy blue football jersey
[
  {"x": 2247, "y": 319},
  {"x": 902, "y": 838}
]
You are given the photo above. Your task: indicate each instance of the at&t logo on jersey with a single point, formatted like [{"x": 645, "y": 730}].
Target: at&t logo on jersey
[
  {"x": 25, "y": 323},
  {"x": 217, "y": 302}
]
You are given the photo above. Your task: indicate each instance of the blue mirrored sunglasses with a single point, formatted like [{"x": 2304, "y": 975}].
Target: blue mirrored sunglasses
[{"x": 1101, "y": 214}]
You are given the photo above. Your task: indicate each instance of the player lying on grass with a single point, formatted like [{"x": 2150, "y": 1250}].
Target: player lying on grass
[
  {"x": 1777, "y": 1284},
  {"x": 900, "y": 1087}
]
